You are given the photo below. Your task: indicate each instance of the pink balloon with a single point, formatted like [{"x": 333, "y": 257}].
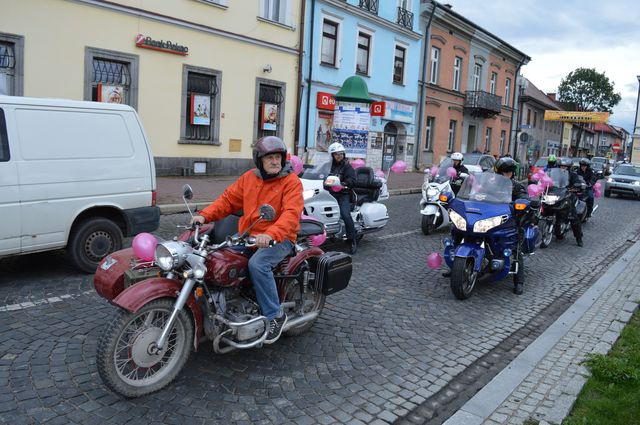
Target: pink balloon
[
  {"x": 337, "y": 188},
  {"x": 357, "y": 163},
  {"x": 451, "y": 172},
  {"x": 532, "y": 190},
  {"x": 434, "y": 260},
  {"x": 597, "y": 186},
  {"x": 399, "y": 167},
  {"x": 296, "y": 162},
  {"x": 597, "y": 193},
  {"x": 144, "y": 246},
  {"x": 380, "y": 174},
  {"x": 537, "y": 176},
  {"x": 434, "y": 170},
  {"x": 317, "y": 240},
  {"x": 546, "y": 182}
]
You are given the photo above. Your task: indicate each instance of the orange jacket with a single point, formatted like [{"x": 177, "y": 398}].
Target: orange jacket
[{"x": 250, "y": 191}]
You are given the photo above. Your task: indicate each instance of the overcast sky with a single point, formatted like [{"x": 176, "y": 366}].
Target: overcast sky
[{"x": 562, "y": 35}]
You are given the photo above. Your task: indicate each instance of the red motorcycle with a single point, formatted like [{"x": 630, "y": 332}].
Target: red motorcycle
[{"x": 197, "y": 288}]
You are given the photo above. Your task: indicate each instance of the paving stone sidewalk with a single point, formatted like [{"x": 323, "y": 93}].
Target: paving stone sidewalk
[{"x": 541, "y": 385}]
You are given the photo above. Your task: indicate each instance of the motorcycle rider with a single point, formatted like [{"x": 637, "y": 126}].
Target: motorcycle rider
[
  {"x": 274, "y": 182},
  {"x": 551, "y": 162},
  {"x": 590, "y": 179},
  {"x": 576, "y": 225},
  {"x": 340, "y": 167},
  {"x": 457, "y": 159},
  {"x": 506, "y": 166}
]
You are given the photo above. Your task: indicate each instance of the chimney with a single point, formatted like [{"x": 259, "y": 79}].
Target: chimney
[{"x": 551, "y": 96}]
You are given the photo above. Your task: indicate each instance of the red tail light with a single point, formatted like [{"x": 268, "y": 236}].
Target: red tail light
[{"x": 153, "y": 198}]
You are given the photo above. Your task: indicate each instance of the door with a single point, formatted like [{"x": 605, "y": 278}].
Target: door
[
  {"x": 389, "y": 146},
  {"x": 10, "y": 223},
  {"x": 470, "y": 144}
]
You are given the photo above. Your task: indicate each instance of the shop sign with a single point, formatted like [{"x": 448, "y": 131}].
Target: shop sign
[
  {"x": 396, "y": 111},
  {"x": 161, "y": 45},
  {"x": 378, "y": 109},
  {"x": 325, "y": 101}
]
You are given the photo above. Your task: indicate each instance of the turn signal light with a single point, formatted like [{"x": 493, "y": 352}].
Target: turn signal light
[
  {"x": 443, "y": 198},
  {"x": 199, "y": 292},
  {"x": 521, "y": 207}
]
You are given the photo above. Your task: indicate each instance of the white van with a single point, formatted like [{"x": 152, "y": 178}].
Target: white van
[{"x": 73, "y": 174}]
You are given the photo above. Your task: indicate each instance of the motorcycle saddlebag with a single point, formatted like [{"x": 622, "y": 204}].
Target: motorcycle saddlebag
[{"x": 333, "y": 272}]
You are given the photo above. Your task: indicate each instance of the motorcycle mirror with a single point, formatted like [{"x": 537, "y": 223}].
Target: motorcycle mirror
[
  {"x": 187, "y": 192},
  {"x": 267, "y": 212}
]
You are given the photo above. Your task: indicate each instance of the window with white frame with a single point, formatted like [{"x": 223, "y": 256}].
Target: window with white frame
[
  {"x": 405, "y": 4},
  {"x": 329, "y": 42},
  {"x": 452, "y": 135},
  {"x": 435, "y": 61},
  {"x": 494, "y": 82},
  {"x": 487, "y": 139},
  {"x": 477, "y": 75},
  {"x": 457, "y": 69},
  {"x": 11, "y": 64},
  {"x": 398, "y": 64},
  {"x": 364, "y": 53},
  {"x": 275, "y": 10},
  {"x": 507, "y": 91},
  {"x": 431, "y": 123},
  {"x": 503, "y": 137}
]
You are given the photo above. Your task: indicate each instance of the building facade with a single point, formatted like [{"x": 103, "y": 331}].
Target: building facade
[
  {"x": 207, "y": 77},
  {"x": 378, "y": 41},
  {"x": 543, "y": 138},
  {"x": 469, "y": 87}
]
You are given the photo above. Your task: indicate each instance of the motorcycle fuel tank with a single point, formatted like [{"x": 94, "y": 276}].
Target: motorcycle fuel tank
[{"x": 226, "y": 268}]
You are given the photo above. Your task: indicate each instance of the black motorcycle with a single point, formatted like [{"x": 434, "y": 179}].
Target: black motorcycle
[{"x": 555, "y": 210}]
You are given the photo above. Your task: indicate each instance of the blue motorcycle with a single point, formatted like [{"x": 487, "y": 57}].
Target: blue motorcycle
[{"x": 490, "y": 234}]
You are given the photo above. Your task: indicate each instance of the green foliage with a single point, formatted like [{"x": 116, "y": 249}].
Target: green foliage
[{"x": 585, "y": 89}]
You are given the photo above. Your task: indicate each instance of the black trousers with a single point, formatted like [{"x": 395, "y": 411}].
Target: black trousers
[{"x": 345, "y": 213}]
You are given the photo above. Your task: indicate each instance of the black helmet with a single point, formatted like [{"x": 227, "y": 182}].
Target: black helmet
[
  {"x": 266, "y": 146},
  {"x": 585, "y": 161},
  {"x": 565, "y": 162},
  {"x": 505, "y": 165}
]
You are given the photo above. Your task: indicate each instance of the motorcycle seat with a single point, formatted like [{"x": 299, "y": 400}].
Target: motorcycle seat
[
  {"x": 366, "y": 186},
  {"x": 310, "y": 228},
  {"x": 226, "y": 227}
]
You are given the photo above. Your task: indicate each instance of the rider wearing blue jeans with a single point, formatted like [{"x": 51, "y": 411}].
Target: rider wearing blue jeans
[{"x": 340, "y": 167}]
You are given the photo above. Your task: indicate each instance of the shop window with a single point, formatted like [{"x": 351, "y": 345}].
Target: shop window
[
  {"x": 398, "y": 65},
  {"x": 269, "y": 108},
  {"x": 111, "y": 77},
  {"x": 200, "y": 105},
  {"x": 11, "y": 60}
]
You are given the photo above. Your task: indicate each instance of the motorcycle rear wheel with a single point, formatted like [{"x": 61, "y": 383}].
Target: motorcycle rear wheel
[
  {"x": 125, "y": 362},
  {"x": 463, "y": 277},
  {"x": 312, "y": 301},
  {"x": 428, "y": 223}
]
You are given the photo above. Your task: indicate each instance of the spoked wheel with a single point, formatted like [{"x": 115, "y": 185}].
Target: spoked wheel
[
  {"x": 307, "y": 303},
  {"x": 463, "y": 277},
  {"x": 428, "y": 223},
  {"x": 128, "y": 360},
  {"x": 547, "y": 233}
]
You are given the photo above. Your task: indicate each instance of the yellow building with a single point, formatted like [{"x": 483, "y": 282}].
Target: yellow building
[{"x": 208, "y": 77}]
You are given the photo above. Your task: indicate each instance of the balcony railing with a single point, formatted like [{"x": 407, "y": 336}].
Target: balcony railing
[
  {"x": 482, "y": 104},
  {"x": 369, "y": 5},
  {"x": 405, "y": 18}
]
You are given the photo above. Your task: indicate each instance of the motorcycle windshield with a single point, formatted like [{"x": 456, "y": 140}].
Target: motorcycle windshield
[
  {"x": 487, "y": 187},
  {"x": 441, "y": 176},
  {"x": 559, "y": 176},
  {"x": 317, "y": 172}
]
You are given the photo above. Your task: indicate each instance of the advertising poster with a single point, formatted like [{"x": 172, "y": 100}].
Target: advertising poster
[
  {"x": 200, "y": 114},
  {"x": 324, "y": 131},
  {"x": 269, "y": 116},
  {"x": 110, "y": 94},
  {"x": 351, "y": 127}
]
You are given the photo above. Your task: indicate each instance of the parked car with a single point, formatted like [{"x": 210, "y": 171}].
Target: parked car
[
  {"x": 74, "y": 175},
  {"x": 601, "y": 163},
  {"x": 624, "y": 180},
  {"x": 475, "y": 162}
]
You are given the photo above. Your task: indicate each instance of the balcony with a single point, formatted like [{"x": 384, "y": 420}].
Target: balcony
[
  {"x": 481, "y": 104},
  {"x": 369, "y": 5},
  {"x": 405, "y": 18}
]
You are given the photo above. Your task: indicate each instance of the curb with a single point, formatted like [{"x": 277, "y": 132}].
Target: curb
[{"x": 181, "y": 208}]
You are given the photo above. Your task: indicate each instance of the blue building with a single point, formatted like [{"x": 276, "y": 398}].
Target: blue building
[{"x": 377, "y": 40}]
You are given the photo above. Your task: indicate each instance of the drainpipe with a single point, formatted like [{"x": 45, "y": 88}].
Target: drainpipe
[
  {"x": 422, "y": 98},
  {"x": 306, "y": 121},
  {"x": 513, "y": 110},
  {"x": 296, "y": 136}
]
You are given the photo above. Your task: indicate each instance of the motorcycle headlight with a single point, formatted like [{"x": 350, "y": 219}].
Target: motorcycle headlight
[
  {"x": 308, "y": 194},
  {"x": 170, "y": 255},
  {"x": 457, "y": 220},
  {"x": 550, "y": 199},
  {"x": 483, "y": 226},
  {"x": 432, "y": 191}
]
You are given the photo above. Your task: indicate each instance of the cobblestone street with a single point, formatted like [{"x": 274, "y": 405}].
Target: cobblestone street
[{"x": 395, "y": 346}]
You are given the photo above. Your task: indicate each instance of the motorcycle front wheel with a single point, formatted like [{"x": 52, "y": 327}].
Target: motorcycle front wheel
[
  {"x": 127, "y": 360},
  {"x": 428, "y": 223},
  {"x": 546, "y": 232},
  {"x": 463, "y": 277}
]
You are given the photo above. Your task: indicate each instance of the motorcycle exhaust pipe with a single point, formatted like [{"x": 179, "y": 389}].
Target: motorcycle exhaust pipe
[{"x": 300, "y": 320}]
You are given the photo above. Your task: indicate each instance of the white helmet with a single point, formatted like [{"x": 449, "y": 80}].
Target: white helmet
[
  {"x": 336, "y": 148},
  {"x": 457, "y": 156}
]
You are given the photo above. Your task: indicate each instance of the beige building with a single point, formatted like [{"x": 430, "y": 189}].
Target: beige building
[{"x": 208, "y": 77}]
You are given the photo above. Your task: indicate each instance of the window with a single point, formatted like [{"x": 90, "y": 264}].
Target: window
[
  {"x": 503, "y": 137},
  {"x": 200, "y": 106},
  {"x": 535, "y": 118},
  {"x": 507, "y": 91},
  {"x": 329, "y": 42},
  {"x": 269, "y": 111},
  {"x": 528, "y": 116},
  {"x": 11, "y": 64},
  {"x": 457, "y": 68},
  {"x": 275, "y": 10},
  {"x": 452, "y": 135},
  {"x": 435, "y": 60},
  {"x": 494, "y": 81},
  {"x": 431, "y": 123},
  {"x": 487, "y": 140},
  {"x": 4, "y": 140},
  {"x": 111, "y": 77},
  {"x": 477, "y": 74},
  {"x": 364, "y": 45},
  {"x": 398, "y": 65}
]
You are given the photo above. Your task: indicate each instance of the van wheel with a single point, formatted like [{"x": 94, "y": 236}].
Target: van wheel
[{"x": 91, "y": 241}]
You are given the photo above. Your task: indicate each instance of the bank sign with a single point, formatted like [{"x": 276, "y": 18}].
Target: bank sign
[{"x": 160, "y": 45}]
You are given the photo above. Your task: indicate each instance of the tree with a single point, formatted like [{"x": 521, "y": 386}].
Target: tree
[{"x": 585, "y": 89}]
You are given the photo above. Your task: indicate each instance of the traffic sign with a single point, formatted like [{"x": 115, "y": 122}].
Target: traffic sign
[{"x": 615, "y": 147}]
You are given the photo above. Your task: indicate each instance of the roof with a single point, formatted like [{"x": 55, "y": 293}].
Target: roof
[
  {"x": 604, "y": 128},
  {"x": 534, "y": 93},
  {"x": 65, "y": 103}
]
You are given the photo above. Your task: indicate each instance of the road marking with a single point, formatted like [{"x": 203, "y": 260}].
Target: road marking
[
  {"x": 35, "y": 303},
  {"x": 395, "y": 235}
]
